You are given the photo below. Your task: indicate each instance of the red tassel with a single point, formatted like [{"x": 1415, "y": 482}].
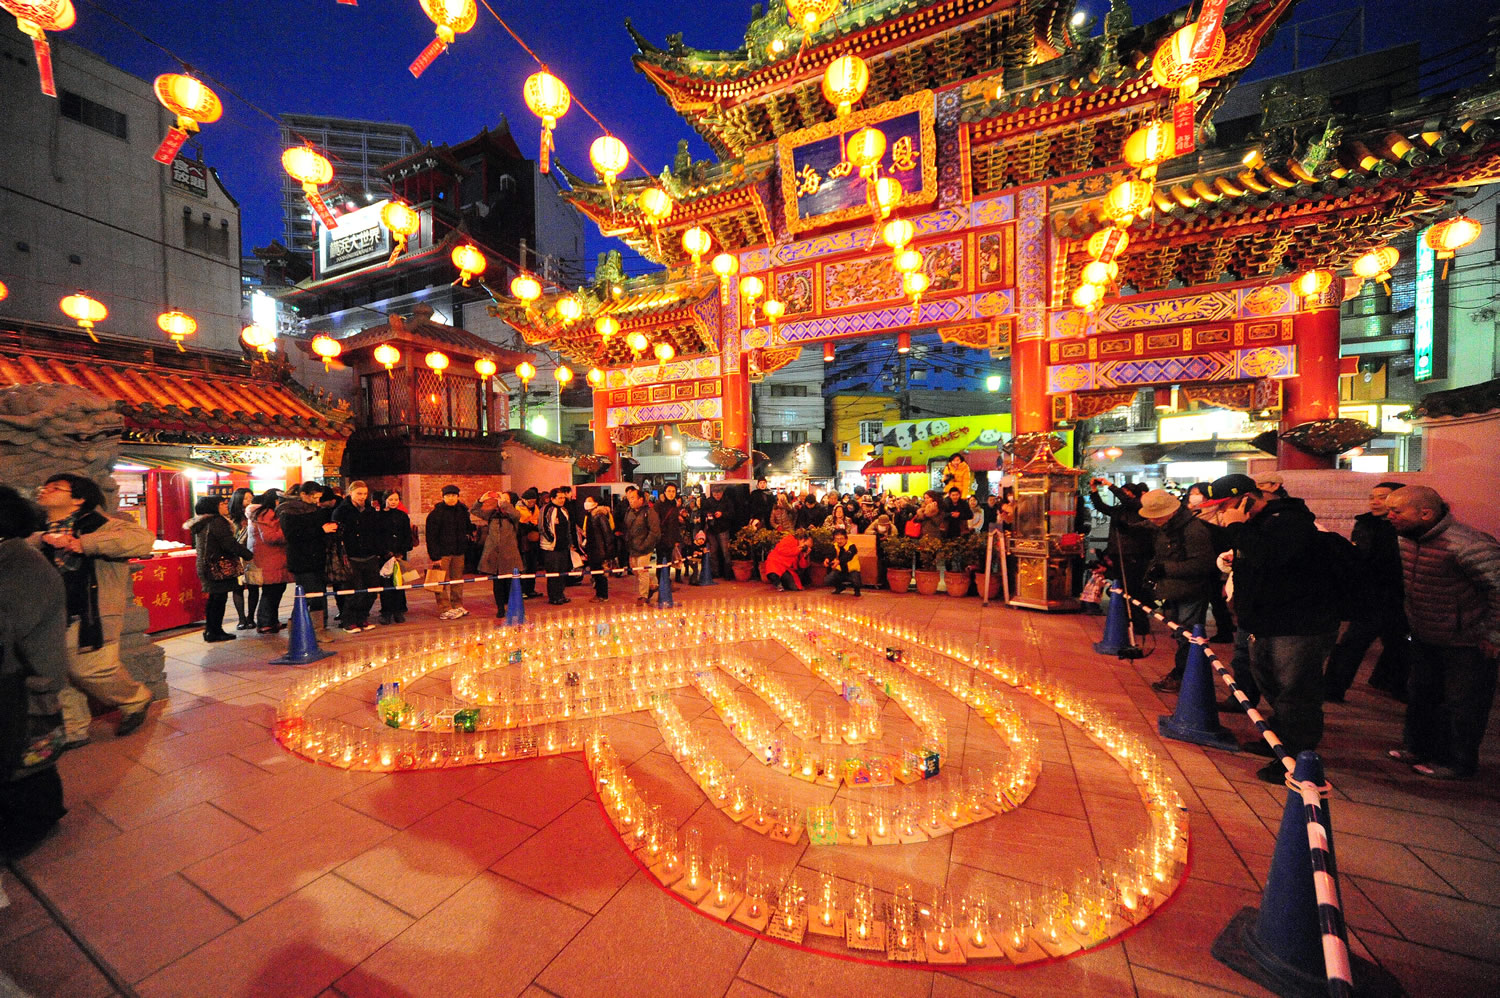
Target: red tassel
[
  {"x": 167, "y": 151},
  {"x": 315, "y": 202},
  {"x": 544, "y": 158},
  {"x": 44, "y": 65},
  {"x": 431, "y": 52}
]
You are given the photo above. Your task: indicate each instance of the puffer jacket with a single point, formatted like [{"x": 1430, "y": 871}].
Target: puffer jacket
[
  {"x": 1452, "y": 576},
  {"x": 642, "y": 531},
  {"x": 1184, "y": 566},
  {"x": 302, "y": 526},
  {"x": 267, "y": 544}
]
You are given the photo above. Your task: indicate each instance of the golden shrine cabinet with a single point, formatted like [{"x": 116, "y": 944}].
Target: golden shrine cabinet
[{"x": 1045, "y": 552}]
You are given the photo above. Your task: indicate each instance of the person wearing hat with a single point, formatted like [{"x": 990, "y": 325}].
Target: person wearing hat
[
  {"x": 1183, "y": 571},
  {"x": 1130, "y": 544},
  {"x": 718, "y": 523},
  {"x": 1272, "y": 485},
  {"x": 1286, "y": 595},
  {"x": 447, "y": 531},
  {"x": 530, "y": 537}
]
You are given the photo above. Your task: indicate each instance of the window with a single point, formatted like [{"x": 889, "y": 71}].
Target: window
[
  {"x": 919, "y": 375},
  {"x": 789, "y": 436},
  {"x": 94, "y": 115},
  {"x": 204, "y": 237},
  {"x": 788, "y": 391},
  {"x": 871, "y": 431}
]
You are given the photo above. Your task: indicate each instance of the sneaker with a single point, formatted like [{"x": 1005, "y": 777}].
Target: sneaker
[
  {"x": 1441, "y": 772},
  {"x": 447, "y": 615},
  {"x": 1404, "y": 755},
  {"x": 351, "y": 628},
  {"x": 368, "y": 626},
  {"x": 399, "y": 618},
  {"x": 1167, "y": 684},
  {"x": 129, "y": 722}
]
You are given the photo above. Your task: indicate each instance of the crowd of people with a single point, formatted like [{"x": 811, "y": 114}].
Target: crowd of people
[{"x": 1301, "y": 605}]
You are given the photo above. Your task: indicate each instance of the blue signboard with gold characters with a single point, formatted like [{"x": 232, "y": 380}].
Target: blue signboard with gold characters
[{"x": 820, "y": 187}]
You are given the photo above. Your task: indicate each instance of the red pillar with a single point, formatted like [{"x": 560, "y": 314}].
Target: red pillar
[
  {"x": 737, "y": 434},
  {"x": 1314, "y": 392},
  {"x": 1031, "y": 411},
  {"x": 604, "y": 446}
]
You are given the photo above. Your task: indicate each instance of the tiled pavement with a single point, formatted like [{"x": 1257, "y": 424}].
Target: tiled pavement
[{"x": 198, "y": 859}]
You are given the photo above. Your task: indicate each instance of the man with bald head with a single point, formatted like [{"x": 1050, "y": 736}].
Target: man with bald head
[{"x": 1452, "y": 578}]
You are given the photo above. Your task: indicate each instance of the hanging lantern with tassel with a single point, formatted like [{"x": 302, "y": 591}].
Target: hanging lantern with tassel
[
  {"x": 312, "y": 170},
  {"x": 452, "y": 18},
  {"x": 469, "y": 261},
  {"x": 85, "y": 311},
  {"x": 751, "y": 288},
  {"x": 844, "y": 83},
  {"x": 258, "y": 338},
  {"x": 1449, "y": 236},
  {"x": 569, "y": 309},
  {"x": 609, "y": 158},
  {"x": 595, "y": 377},
  {"x": 327, "y": 348},
  {"x": 548, "y": 98},
  {"x": 915, "y": 284},
  {"x": 1376, "y": 265},
  {"x": 35, "y": 18},
  {"x": 886, "y": 193},
  {"x": 485, "y": 368},
  {"x": 192, "y": 102},
  {"x": 437, "y": 363},
  {"x": 1311, "y": 284},
  {"x": 403, "y": 221},
  {"x": 178, "y": 326},
  {"x": 773, "y": 310},
  {"x": 527, "y": 290},
  {"x": 696, "y": 242},
  {"x": 726, "y": 265},
  {"x": 387, "y": 356}
]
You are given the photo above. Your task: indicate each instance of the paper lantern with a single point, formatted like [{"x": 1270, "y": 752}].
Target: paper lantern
[
  {"x": 569, "y": 309},
  {"x": 563, "y": 374},
  {"x": 828, "y": 351},
  {"x": 326, "y": 347},
  {"x": 548, "y": 98},
  {"x": 1098, "y": 272},
  {"x": 258, "y": 338},
  {"x": 664, "y": 352},
  {"x": 914, "y": 284},
  {"x": 606, "y": 326},
  {"x": 903, "y": 342},
  {"x": 1149, "y": 146},
  {"x": 774, "y": 310},
  {"x": 908, "y": 261},
  {"x": 752, "y": 288},
  {"x": 192, "y": 102},
  {"x": 808, "y": 14},
  {"x": 1127, "y": 200},
  {"x": 1376, "y": 265},
  {"x": 1312, "y": 283},
  {"x": 525, "y": 372},
  {"x": 4, "y": 291},
  {"x": 865, "y": 150},
  {"x": 726, "y": 265},
  {"x": 1087, "y": 296},
  {"x": 1106, "y": 244},
  {"x": 696, "y": 242},
  {"x": 35, "y": 18},
  {"x": 451, "y": 18},
  {"x": 469, "y": 261},
  {"x": 1113, "y": 453},
  {"x": 526, "y": 289},
  {"x": 312, "y": 170},
  {"x": 638, "y": 343},
  {"x": 437, "y": 362},
  {"x": 485, "y": 368},
  {"x": 403, "y": 221},
  {"x": 387, "y": 356},
  {"x": 844, "y": 83},
  {"x": 887, "y": 195},
  {"x": 655, "y": 205},
  {"x": 595, "y": 377},
  {"x": 85, "y": 311},
  {"x": 609, "y": 157},
  {"x": 1449, "y": 236},
  {"x": 896, "y": 234},
  {"x": 1173, "y": 64}
]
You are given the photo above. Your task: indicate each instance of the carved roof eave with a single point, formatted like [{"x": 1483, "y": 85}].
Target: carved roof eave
[
  {"x": 636, "y": 308},
  {"x": 742, "y": 206}
]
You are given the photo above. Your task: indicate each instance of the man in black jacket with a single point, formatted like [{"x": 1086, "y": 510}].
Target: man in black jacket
[
  {"x": 669, "y": 547},
  {"x": 641, "y": 530},
  {"x": 306, "y": 525},
  {"x": 718, "y": 523},
  {"x": 1286, "y": 596},
  {"x": 1183, "y": 571},
  {"x": 762, "y": 501},
  {"x": 1131, "y": 542},
  {"x": 447, "y": 532},
  {"x": 1383, "y": 615},
  {"x": 363, "y": 532},
  {"x": 557, "y": 543},
  {"x": 809, "y": 513}
]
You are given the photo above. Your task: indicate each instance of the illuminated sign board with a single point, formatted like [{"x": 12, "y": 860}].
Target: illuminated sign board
[
  {"x": 1422, "y": 338},
  {"x": 191, "y": 176},
  {"x": 359, "y": 240}
]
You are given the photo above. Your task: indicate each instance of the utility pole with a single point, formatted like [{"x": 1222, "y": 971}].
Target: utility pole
[{"x": 903, "y": 397}]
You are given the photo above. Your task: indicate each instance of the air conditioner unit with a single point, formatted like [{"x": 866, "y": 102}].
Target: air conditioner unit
[{"x": 844, "y": 449}]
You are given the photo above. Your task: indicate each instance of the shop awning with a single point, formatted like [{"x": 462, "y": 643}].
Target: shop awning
[
  {"x": 155, "y": 397},
  {"x": 879, "y": 467}
]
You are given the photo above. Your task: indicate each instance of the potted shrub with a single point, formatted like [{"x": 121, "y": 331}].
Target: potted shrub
[
  {"x": 818, "y": 555},
  {"x": 974, "y": 558},
  {"x": 957, "y": 559},
  {"x": 899, "y": 552},
  {"x": 742, "y": 553},
  {"x": 929, "y": 549}
]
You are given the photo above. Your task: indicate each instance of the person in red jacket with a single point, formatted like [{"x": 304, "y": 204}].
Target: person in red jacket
[{"x": 787, "y": 561}]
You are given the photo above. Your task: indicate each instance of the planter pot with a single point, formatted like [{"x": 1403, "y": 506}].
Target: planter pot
[
  {"x": 994, "y": 592},
  {"x": 958, "y": 583},
  {"x": 742, "y": 570},
  {"x": 927, "y": 581},
  {"x": 816, "y": 575},
  {"x": 900, "y": 582}
]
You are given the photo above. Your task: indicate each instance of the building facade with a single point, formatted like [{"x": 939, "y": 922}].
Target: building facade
[
  {"x": 84, "y": 206},
  {"x": 358, "y": 151}
]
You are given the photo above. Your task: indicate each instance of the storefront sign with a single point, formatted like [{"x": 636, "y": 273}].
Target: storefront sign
[
  {"x": 1217, "y": 424},
  {"x": 820, "y": 186},
  {"x": 191, "y": 176},
  {"x": 359, "y": 240},
  {"x": 1422, "y": 338},
  {"x": 915, "y": 442}
]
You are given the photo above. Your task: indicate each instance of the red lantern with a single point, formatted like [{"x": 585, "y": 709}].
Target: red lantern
[
  {"x": 36, "y": 18},
  {"x": 192, "y": 102},
  {"x": 403, "y": 221},
  {"x": 453, "y": 18},
  {"x": 311, "y": 169}
]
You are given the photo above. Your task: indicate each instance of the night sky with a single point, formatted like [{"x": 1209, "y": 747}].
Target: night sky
[{"x": 322, "y": 57}]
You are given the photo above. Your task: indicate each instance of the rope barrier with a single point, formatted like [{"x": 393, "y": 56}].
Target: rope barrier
[
  {"x": 620, "y": 572},
  {"x": 1336, "y": 964}
]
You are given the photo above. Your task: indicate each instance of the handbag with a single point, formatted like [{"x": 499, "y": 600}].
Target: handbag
[
  {"x": 336, "y": 568},
  {"x": 223, "y": 567},
  {"x": 434, "y": 577},
  {"x": 912, "y": 529},
  {"x": 31, "y": 727}
]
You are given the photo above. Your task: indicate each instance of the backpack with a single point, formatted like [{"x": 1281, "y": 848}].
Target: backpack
[{"x": 1348, "y": 574}]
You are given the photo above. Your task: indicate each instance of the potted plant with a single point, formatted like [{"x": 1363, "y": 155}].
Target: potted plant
[
  {"x": 976, "y": 565},
  {"x": 929, "y": 549},
  {"x": 742, "y": 553},
  {"x": 899, "y": 552},
  {"x": 818, "y": 555},
  {"x": 957, "y": 559}
]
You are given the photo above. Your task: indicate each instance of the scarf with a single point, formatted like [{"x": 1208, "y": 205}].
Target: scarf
[{"x": 80, "y": 582}]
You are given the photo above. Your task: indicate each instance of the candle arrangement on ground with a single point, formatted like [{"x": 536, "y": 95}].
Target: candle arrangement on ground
[{"x": 856, "y": 721}]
